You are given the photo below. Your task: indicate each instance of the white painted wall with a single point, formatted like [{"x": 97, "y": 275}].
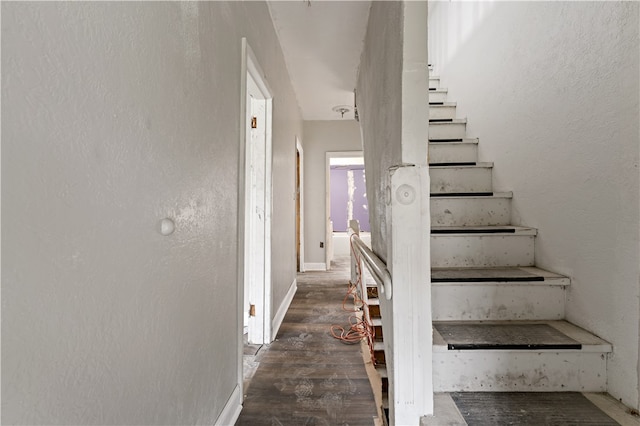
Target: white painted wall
[
  {"x": 115, "y": 116},
  {"x": 321, "y": 137},
  {"x": 379, "y": 97},
  {"x": 551, "y": 89}
]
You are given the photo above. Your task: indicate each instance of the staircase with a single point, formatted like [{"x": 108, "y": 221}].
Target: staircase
[{"x": 498, "y": 319}]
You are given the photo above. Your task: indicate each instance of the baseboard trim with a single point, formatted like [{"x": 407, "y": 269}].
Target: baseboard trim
[
  {"x": 231, "y": 410},
  {"x": 315, "y": 266},
  {"x": 282, "y": 310}
]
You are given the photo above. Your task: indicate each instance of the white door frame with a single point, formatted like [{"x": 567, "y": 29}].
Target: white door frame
[
  {"x": 259, "y": 293},
  {"x": 301, "y": 187},
  {"x": 328, "y": 251}
]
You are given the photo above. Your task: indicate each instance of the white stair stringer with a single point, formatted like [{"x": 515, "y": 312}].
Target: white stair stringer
[
  {"x": 578, "y": 370},
  {"x": 478, "y": 210}
]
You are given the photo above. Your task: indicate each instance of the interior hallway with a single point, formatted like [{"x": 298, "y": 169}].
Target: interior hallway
[{"x": 307, "y": 377}]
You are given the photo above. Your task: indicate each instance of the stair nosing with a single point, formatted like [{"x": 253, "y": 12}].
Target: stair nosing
[
  {"x": 474, "y": 141},
  {"x": 477, "y": 231},
  {"x": 445, "y": 105},
  {"x": 483, "y": 165},
  {"x": 548, "y": 278},
  {"x": 506, "y": 195},
  {"x": 452, "y": 121},
  {"x": 589, "y": 341}
]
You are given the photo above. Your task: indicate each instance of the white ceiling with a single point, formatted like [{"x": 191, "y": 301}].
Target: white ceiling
[{"x": 322, "y": 41}]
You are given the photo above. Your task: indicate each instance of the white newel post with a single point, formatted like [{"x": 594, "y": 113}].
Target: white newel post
[{"x": 410, "y": 266}]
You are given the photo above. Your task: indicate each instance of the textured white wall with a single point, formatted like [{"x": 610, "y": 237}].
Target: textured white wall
[
  {"x": 116, "y": 115},
  {"x": 551, "y": 89},
  {"x": 319, "y": 138},
  {"x": 379, "y": 92}
]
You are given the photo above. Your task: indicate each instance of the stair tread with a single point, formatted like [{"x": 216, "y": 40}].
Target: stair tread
[
  {"x": 440, "y": 90},
  {"x": 382, "y": 371},
  {"x": 529, "y": 275},
  {"x": 463, "y": 141},
  {"x": 477, "y": 165},
  {"x": 450, "y": 121},
  {"x": 483, "y": 230},
  {"x": 481, "y": 196},
  {"x": 444, "y": 104},
  {"x": 588, "y": 341}
]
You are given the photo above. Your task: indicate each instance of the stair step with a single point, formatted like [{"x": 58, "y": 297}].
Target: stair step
[
  {"x": 446, "y": 110},
  {"x": 465, "y": 150},
  {"x": 372, "y": 295},
  {"x": 378, "y": 354},
  {"x": 373, "y": 309},
  {"x": 461, "y": 179},
  {"x": 482, "y": 247},
  {"x": 453, "y": 164},
  {"x": 490, "y": 210},
  {"x": 438, "y": 95},
  {"x": 434, "y": 82},
  {"x": 532, "y": 356},
  {"x": 436, "y": 195},
  {"x": 522, "y": 293},
  {"x": 470, "y": 276},
  {"x": 465, "y": 230},
  {"x": 456, "y": 128},
  {"x": 382, "y": 371}
]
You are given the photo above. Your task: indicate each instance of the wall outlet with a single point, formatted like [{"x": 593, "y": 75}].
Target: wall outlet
[{"x": 321, "y": 244}]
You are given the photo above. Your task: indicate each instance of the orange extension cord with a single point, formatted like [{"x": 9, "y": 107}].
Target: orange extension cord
[{"x": 358, "y": 328}]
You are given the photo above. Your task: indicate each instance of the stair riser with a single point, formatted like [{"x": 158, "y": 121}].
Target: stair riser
[
  {"x": 459, "y": 251},
  {"x": 437, "y": 96},
  {"x": 497, "y": 301},
  {"x": 447, "y": 131},
  {"x": 453, "y": 152},
  {"x": 434, "y": 82},
  {"x": 460, "y": 179},
  {"x": 519, "y": 371},
  {"x": 470, "y": 212},
  {"x": 442, "y": 111}
]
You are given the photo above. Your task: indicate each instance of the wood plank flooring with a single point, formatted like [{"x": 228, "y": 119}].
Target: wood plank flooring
[{"x": 306, "y": 377}]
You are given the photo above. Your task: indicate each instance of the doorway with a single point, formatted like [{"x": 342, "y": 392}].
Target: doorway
[
  {"x": 345, "y": 200},
  {"x": 299, "y": 206},
  {"x": 256, "y": 304}
]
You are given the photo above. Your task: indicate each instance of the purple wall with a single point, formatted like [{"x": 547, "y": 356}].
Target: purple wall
[{"x": 340, "y": 198}]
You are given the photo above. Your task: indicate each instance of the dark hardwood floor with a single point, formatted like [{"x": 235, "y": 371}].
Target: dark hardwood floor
[{"x": 306, "y": 377}]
